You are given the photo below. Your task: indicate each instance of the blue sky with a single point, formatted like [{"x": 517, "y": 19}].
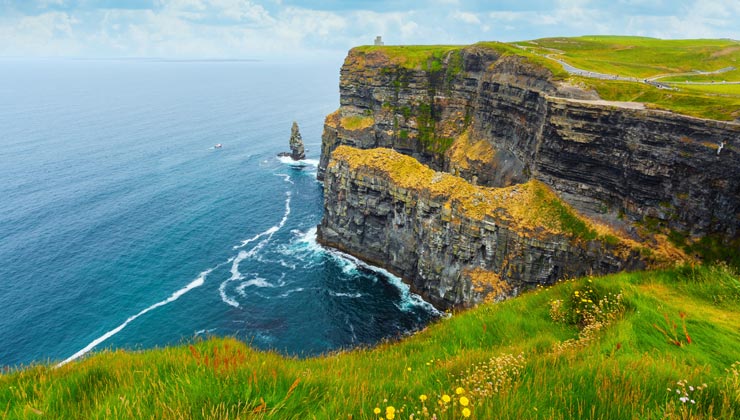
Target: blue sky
[{"x": 262, "y": 28}]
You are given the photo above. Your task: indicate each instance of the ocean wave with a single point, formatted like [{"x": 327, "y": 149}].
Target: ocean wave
[
  {"x": 243, "y": 255},
  {"x": 197, "y": 282},
  {"x": 270, "y": 231},
  {"x": 303, "y": 162},
  {"x": 286, "y": 178},
  {"x": 341, "y": 294},
  {"x": 350, "y": 265},
  {"x": 291, "y": 291}
]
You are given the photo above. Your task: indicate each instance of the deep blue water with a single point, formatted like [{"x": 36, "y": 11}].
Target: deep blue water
[{"x": 122, "y": 226}]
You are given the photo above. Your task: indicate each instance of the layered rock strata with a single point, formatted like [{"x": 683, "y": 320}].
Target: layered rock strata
[
  {"x": 498, "y": 119},
  {"x": 457, "y": 243}
]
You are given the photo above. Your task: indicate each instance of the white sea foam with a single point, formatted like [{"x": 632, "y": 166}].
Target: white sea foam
[
  {"x": 272, "y": 229},
  {"x": 349, "y": 295},
  {"x": 303, "y": 162},
  {"x": 243, "y": 255},
  {"x": 291, "y": 291},
  {"x": 197, "y": 282},
  {"x": 350, "y": 263},
  {"x": 286, "y": 178}
]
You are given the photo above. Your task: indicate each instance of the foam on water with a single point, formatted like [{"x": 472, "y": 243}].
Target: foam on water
[
  {"x": 271, "y": 231},
  {"x": 303, "y": 162},
  {"x": 286, "y": 178},
  {"x": 350, "y": 265},
  {"x": 243, "y": 255},
  {"x": 348, "y": 295},
  {"x": 197, "y": 282}
]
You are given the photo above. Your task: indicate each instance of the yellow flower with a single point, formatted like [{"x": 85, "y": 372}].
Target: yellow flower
[
  {"x": 459, "y": 390},
  {"x": 390, "y": 416},
  {"x": 390, "y": 409},
  {"x": 409, "y": 369},
  {"x": 464, "y": 401},
  {"x": 446, "y": 398},
  {"x": 376, "y": 410},
  {"x": 423, "y": 397},
  {"x": 466, "y": 412}
]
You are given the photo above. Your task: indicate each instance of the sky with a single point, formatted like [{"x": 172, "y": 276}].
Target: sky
[{"x": 243, "y": 29}]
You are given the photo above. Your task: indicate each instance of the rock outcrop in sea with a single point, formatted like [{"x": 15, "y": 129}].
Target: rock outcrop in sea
[
  {"x": 495, "y": 119},
  {"x": 297, "y": 152}
]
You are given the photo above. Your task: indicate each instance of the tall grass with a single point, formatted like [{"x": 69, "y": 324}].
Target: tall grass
[{"x": 624, "y": 370}]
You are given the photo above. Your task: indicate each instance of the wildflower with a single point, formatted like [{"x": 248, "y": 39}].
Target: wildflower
[
  {"x": 390, "y": 416},
  {"x": 390, "y": 409},
  {"x": 691, "y": 388},
  {"x": 684, "y": 399},
  {"x": 466, "y": 412},
  {"x": 459, "y": 390},
  {"x": 376, "y": 410},
  {"x": 446, "y": 398},
  {"x": 409, "y": 369},
  {"x": 464, "y": 401},
  {"x": 423, "y": 397}
]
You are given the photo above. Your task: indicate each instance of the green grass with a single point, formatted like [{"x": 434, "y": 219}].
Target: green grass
[
  {"x": 643, "y": 57},
  {"x": 695, "y": 102},
  {"x": 621, "y": 371},
  {"x": 626, "y": 56},
  {"x": 507, "y": 49},
  {"x": 649, "y": 57},
  {"x": 420, "y": 57}
]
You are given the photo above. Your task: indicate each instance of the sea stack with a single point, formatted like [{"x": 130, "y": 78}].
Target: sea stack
[{"x": 297, "y": 152}]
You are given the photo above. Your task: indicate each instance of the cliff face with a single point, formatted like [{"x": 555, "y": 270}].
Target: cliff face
[
  {"x": 499, "y": 120},
  {"x": 457, "y": 243}
]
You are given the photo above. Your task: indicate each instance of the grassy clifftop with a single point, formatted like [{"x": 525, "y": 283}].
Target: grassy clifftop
[
  {"x": 703, "y": 72},
  {"x": 639, "y": 345}
]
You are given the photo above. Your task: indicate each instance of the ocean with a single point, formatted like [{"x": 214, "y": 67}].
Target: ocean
[{"x": 121, "y": 226}]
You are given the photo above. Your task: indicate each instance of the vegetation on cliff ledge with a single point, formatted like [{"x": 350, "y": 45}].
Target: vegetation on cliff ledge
[
  {"x": 650, "y": 345},
  {"x": 531, "y": 208}
]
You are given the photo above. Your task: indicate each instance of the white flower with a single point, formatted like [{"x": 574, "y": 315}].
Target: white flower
[
  {"x": 693, "y": 402},
  {"x": 691, "y": 388}
]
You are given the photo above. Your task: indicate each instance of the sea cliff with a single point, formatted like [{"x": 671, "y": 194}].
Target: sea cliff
[
  {"x": 495, "y": 118},
  {"x": 456, "y": 243},
  {"x": 605, "y": 158}
]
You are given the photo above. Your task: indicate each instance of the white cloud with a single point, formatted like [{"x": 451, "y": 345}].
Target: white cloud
[
  {"x": 467, "y": 17},
  {"x": 50, "y": 33},
  {"x": 248, "y": 28}
]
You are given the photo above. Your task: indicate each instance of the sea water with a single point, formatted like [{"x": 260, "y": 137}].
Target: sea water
[{"x": 122, "y": 226}]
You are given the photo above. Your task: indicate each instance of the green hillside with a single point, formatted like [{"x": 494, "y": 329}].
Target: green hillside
[
  {"x": 644, "y": 57},
  {"x": 681, "y": 65},
  {"x": 641, "y": 345},
  {"x": 671, "y": 62}
]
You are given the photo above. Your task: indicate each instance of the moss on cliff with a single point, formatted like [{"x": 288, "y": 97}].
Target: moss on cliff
[
  {"x": 357, "y": 122},
  {"x": 465, "y": 151},
  {"x": 531, "y": 208}
]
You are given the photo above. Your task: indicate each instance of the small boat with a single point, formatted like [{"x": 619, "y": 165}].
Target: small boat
[{"x": 218, "y": 146}]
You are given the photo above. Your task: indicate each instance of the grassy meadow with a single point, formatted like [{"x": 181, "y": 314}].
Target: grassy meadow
[
  {"x": 664, "y": 60},
  {"x": 667, "y": 61},
  {"x": 645, "y": 345}
]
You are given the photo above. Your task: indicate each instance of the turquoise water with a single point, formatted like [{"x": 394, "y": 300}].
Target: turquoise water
[{"x": 122, "y": 227}]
